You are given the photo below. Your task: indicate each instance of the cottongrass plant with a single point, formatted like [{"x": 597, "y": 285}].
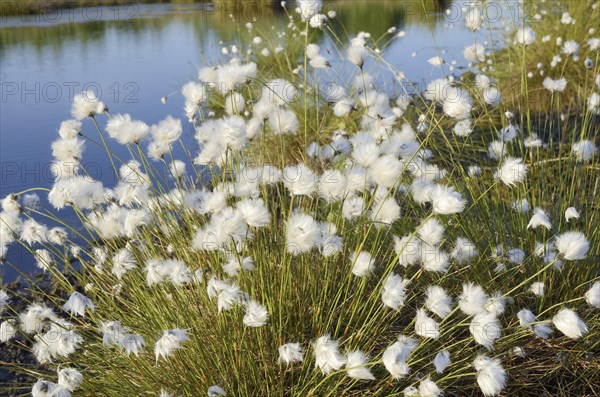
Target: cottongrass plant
[{"x": 331, "y": 243}]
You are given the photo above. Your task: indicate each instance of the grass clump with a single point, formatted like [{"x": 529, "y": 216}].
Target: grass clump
[{"x": 320, "y": 242}]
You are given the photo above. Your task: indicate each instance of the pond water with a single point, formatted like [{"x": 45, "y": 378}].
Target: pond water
[{"x": 131, "y": 56}]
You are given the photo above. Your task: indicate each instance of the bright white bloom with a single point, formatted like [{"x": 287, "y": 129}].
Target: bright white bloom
[
  {"x": 283, "y": 122},
  {"x": 290, "y": 353},
  {"x": 485, "y": 329},
  {"x": 592, "y": 296},
  {"x": 125, "y": 130},
  {"x": 394, "y": 291},
  {"x": 539, "y": 218},
  {"x": 441, "y": 361},
  {"x": 300, "y": 180},
  {"x": 386, "y": 171},
  {"x": 357, "y": 55},
  {"x": 169, "y": 342},
  {"x": 69, "y": 129},
  {"x": 438, "y": 301},
  {"x": 426, "y": 326},
  {"x": 463, "y": 128},
  {"x": 446, "y": 200},
  {"x": 434, "y": 259},
  {"x": 584, "y": 150},
  {"x": 537, "y": 288},
  {"x": 512, "y": 171},
  {"x": 557, "y": 85},
  {"x": 474, "y": 53},
  {"x": 569, "y": 323},
  {"x": 69, "y": 378},
  {"x": 473, "y": 18},
  {"x": 395, "y": 356},
  {"x": 68, "y": 150},
  {"x": 472, "y": 300},
  {"x": 327, "y": 355},
  {"x": 256, "y": 314},
  {"x": 572, "y": 246},
  {"x": 167, "y": 131},
  {"x": 8, "y": 330},
  {"x": 408, "y": 250},
  {"x": 132, "y": 343},
  {"x": 303, "y": 233},
  {"x": 571, "y": 213},
  {"x": 385, "y": 212},
  {"x": 526, "y": 35},
  {"x": 123, "y": 262},
  {"x": 496, "y": 150},
  {"x": 428, "y": 388},
  {"x": 353, "y": 207},
  {"x": 457, "y": 103},
  {"x": 255, "y": 212},
  {"x": 308, "y": 8},
  {"x": 86, "y": 105},
  {"x": 362, "y": 263},
  {"x": 33, "y": 232},
  {"x": 355, "y": 366},
  {"x": 492, "y": 96},
  {"x": 570, "y": 47},
  {"x": 332, "y": 185},
  {"x": 491, "y": 376},
  {"x": 77, "y": 304},
  {"x": 431, "y": 231}
]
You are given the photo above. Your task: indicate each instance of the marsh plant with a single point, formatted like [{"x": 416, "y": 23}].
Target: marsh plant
[{"x": 321, "y": 242}]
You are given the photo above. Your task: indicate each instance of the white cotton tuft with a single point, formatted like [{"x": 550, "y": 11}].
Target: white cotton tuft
[
  {"x": 77, "y": 304},
  {"x": 572, "y": 246},
  {"x": 431, "y": 231},
  {"x": 300, "y": 180},
  {"x": 592, "y": 296},
  {"x": 569, "y": 323},
  {"x": 438, "y": 301},
  {"x": 441, "y": 361},
  {"x": 69, "y": 378},
  {"x": 584, "y": 150},
  {"x": 327, "y": 355},
  {"x": 362, "y": 263},
  {"x": 512, "y": 171},
  {"x": 394, "y": 291},
  {"x": 125, "y": 130},
  {"x": 571, "y": 213},
  {"x": 303, "y": 233},
  {"x": 256, "y": 314},
  {"x": 408, "y": 250},
  {"x": 169, "y": 342},
  {"x": 472, "y": 300},
  {"x": 428, "y": 388},
  {"x": 539, "y": 218},
  {"x": 446, "y": 200},
  {"x": 290, "y": 353},
  {"x": 426, "y": 326},
  {"x": 355, "y": 366},
  {"x": 485, "y": 329},
  {"x": 537, "y": 288},
  {"x": 395, "y": 356},
  {"x": 491, "y": 376}
]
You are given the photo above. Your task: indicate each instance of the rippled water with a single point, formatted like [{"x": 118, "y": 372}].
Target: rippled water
[{"x": 132, "y": 56}]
